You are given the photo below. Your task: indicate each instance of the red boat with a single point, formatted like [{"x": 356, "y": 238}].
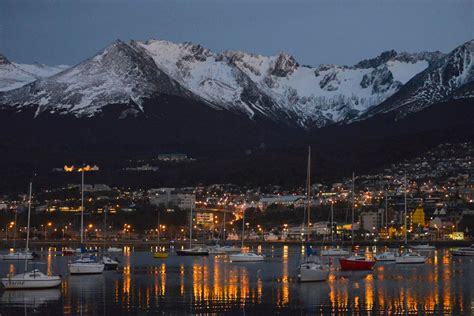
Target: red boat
[
  {"x": 68, "y": 252},
  {"x": 356, "y": 263}
]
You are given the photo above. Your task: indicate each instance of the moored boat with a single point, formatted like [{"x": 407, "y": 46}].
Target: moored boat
[
  {"x": 334, "y": 252},
  {"x": 246, "y": 257},
  {"x": 312, "y": 272},
  {"x": 109, "y": 263},
  {"x": 410, "y": 258},
  {"x": 421, "y": 247},
  {"x": 68, "y": 251},
  {"x": 17, "y": 255},
  {"x": 114, "y": 249},
  {"x": 385, "y": 256},
  {"x": 356, "y": 263},
  {"x": 195, "y": 251},
  {"x": 34, "y": 279},
  {"x": 464, "y": 251},
  {"x": 86, "y": 265}
]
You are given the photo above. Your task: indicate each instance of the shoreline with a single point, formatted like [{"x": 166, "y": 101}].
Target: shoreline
[{"x": 167, "y": 243}]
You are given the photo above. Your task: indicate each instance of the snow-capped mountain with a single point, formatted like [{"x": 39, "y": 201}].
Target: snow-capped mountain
[
  {"x": 120, "y": 74},
  {"x": 13, "y": 75},
  {"x": 274, "y": 87},
  {"x": 450, "y": 77}
]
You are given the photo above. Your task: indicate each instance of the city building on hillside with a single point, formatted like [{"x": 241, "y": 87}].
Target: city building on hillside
[
  {"x": 205, "y": 218},
  {"x": 97, "y": 188},
  {"x": 173, "y": 157},
  {"x": 371, "y": 220},
  {"x": 284, "y": 200},
  {"x": 168, "y": 197},
  {"x": 418, "y": 217}
]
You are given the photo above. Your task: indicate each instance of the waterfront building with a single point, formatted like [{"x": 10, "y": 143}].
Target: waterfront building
[{"x": 418, "y": 217}]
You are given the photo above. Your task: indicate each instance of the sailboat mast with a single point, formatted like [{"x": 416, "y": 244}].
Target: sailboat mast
[
  {"x": 386, "y": 211},
  {"x": 28, "y": 225},
  {"x": 243, "y": 227},
  {"x": 308, "y": 186},
  {"x": 191, "y": 227},
  {"x": 332, "y": 220},
  {"x": 105, "y": 225},
  {"x": 82, "y": 206},
  {"x": 405, "y": 216},
  {"x": 352, "y": 207}
]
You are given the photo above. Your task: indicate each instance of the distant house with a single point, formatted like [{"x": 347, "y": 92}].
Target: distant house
[
  {"x": 172, "y": 157},
  {"x": 284, "y": 200}
]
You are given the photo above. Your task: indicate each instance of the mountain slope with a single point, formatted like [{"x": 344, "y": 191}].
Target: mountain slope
[
  {"x": 275, "y": 87},
  {"x": 13, "y": 75},
  {"x": 451, "y": 77},
  {"x": 120, "y": 74}
]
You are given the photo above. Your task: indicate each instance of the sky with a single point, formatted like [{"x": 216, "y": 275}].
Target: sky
[{"x": 313, "y": 31}]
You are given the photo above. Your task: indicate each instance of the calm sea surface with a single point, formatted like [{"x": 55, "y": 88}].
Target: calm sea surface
[{"x": 213, "y": 285}]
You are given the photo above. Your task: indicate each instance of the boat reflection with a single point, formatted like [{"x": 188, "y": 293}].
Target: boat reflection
[{"x": 30, "y": 298}]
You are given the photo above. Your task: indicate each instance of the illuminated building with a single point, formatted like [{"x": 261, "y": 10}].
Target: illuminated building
[{"x": 418, "y": 217}]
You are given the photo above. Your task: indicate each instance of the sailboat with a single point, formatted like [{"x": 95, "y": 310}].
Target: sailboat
[
  {"x": 33, "y": 279},
  {"x": 192, "y": 251},
  {"x": 159, "y": 254},
  {"x": 85, "y": 264},
  {"x": 332, "y": 251},
  {"x": 245, "y": 256},
  {"x": 408, "y": 257},
  {"x": 355, "y": 262},
  {"x": 311, "y": 269},
  {"x": 109, "y": 263},
  {"x": 17, "y": 255},
  {"x": 386, "y": 255}
]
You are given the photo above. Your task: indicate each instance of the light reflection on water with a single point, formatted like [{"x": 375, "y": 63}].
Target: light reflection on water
[{"x": 213, "y": 284}]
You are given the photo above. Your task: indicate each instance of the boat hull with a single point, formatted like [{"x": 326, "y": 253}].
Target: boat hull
[
  {"x": 17, "y": 256},
  {"x": 401, "y": 260},
  {"x": 12, "y": 283},
  {"x": 462, "y": 253},
  {"x": 191, "y": 253},
  {"x": 236, "y": 258},
  {"x": 89, "y": 268},
  {"x": 356, "y": 265}
]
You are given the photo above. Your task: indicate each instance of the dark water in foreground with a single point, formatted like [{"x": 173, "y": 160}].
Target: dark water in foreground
[{"x": 213, "y": 285}]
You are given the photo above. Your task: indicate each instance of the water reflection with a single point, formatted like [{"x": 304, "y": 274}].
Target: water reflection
[{"x": 214, "y": 285}]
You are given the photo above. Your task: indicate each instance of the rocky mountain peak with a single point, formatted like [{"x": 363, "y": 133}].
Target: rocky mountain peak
[
  {"x": 4, "y": 60},
  {"x": 284, "y": 65}
]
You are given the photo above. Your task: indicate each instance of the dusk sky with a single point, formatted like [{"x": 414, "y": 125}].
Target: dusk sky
[{"x": 314, "y": 31}]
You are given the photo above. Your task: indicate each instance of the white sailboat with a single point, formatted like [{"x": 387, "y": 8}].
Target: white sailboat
[
  {"x": 385, "y": 256},
  {"x": 192, "y": 251},
  {"x": 311, "y": 269},
  {"x": 17, "y": 255},
  {"x": 408, "y": 257},
  {"x": 463, "y": 251},
  {"x": 245, "y": 256},
  {"x": 33, "y": 279},
  {"x": 89, "y": 264},
  {"x": 333, "y": 251}
]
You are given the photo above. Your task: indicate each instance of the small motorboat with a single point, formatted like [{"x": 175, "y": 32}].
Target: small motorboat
[
  {"x": 109, "y": 263},
  {"x": 86, "y": 265},
  {"x": 246, "y": 257},
  {"x": 160, "y": 255},
  {"x": 195, "y": 251},
  {"x": 410, "y": 257},
  {"x": 356, "y": 263},
  {"x": 385, "y": 256},
  {"x": 114, "y": 249},
  {"x": 464, "y": 251},
  {"x": 334, "y": 252},
  {"x": 34, "y": 279},
  {"x": 68, "y": 251},
  {"x": 18, "y": 255},
  {"x": 423, "y": 247},
  {"x": 311, "y": 271}
]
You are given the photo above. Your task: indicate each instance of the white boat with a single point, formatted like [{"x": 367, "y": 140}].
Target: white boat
[
  {"x": 194, "y": 251},
  {"x": 109, "y": 263},
  {"x": 422, "y": 247},
  {"x": 114, "y": 249},
  {"x": 34, "y": 279},
  {"x": 17, "y": 255},
  {"x": 86, "y": 265},
  {"x": 230, "y": 249},
  {"x": 410, "y": 257},
  {"x": 464, "y": 251},
  {"x": 312, "y": 272},
  {"x": 385, "y": 256},
  {"x": 246, "y": 257},
  {"x": 216, "y": 250},
  {"x": 334, "y": 252}
]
